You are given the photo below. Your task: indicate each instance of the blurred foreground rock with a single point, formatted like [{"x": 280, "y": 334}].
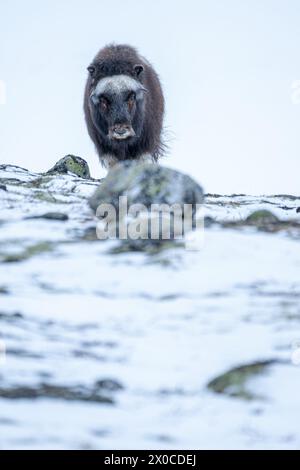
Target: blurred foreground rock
[
  {"x": 146, "y": 183},
  {"x": 159, "y": 202}
]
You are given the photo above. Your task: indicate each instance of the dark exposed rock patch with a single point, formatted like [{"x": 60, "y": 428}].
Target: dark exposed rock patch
[
  {"x": 100, "y": 392},
  {"x": 50, "y": 216}
]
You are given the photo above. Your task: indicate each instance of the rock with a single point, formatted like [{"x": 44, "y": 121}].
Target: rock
[
  {"x": 234, "y": 382},
  {"x": 147, "y": 184},
  {"x": 82, "y": 393},
  {"x": 298, "y": 210},
  {"x": 262, "y": 218},
  {"x": 3, "y": 187},
  {"x": 3, "y": 290},
  {"x": 71, "y": 164},
  {"x": 50, "y": 216},
  {"x": 108, "y": 384},
  {"x": 26, "y": 252},
  {"x": 10, "y": 317}
]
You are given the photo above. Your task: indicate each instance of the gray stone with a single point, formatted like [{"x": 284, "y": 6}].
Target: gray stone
[
  {"x": 146, "y": 183},
  {"x": 71, "y": 164},
  {"x": 58, "y": 216}
]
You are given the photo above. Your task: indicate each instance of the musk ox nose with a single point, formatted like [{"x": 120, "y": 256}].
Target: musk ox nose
[{"x": 121, "y": 131}]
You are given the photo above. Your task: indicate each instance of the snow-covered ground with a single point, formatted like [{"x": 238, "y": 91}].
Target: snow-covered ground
[{"x": 172, "y": 349}]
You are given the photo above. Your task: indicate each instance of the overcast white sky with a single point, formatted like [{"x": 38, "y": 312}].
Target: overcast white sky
[{"x": 227, "y": 68}]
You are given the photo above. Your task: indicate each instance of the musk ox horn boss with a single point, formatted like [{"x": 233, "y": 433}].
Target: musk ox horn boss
[{"x": 124, "y": 106}]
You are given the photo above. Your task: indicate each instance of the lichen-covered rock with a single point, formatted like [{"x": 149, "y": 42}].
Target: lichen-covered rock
[
  {"x": 262, "y": 217},
  {"x": 234, "y": 382},
  {"x": 71, "y": 164},
  {"x": 146, "y": 183},
  {"x": 160, "y": 204}
]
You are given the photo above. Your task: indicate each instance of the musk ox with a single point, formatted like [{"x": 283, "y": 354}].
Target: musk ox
[{"x": 124, "y": 106}]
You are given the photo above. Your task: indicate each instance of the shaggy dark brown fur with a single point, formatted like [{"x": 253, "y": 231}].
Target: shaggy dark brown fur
[{"x": 142, "y": 114}]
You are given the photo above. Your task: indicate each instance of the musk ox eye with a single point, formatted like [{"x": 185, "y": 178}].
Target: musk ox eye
[
  {"x": 131, "y": 100},
  {"x": 104, "y": 103}
]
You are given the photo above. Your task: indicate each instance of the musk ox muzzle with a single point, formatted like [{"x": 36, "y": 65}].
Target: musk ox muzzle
[{"x": 121, "y": 132}]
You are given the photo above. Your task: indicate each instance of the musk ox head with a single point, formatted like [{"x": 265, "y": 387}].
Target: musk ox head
[{"x": 117, "y": 106}]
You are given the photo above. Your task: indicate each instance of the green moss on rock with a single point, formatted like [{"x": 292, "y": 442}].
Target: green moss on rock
[
  {"x": 71, "y": 164},
  {"x": 262, "y": 217},
  {"x": 234, "y": 382},
  {"x": 146, "y": 183}
]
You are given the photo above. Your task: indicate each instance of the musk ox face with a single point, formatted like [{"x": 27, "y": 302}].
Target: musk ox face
[{"x": 117, "y": 106}]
